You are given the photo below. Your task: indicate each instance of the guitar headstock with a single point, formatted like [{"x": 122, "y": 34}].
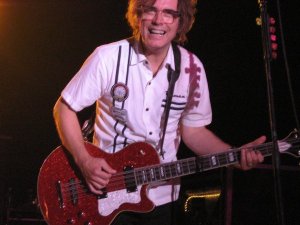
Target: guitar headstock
[{"x": 291, "y": 144}]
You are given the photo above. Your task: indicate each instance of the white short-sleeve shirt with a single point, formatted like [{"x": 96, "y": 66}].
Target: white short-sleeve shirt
[{"x": 130, "y": 101}]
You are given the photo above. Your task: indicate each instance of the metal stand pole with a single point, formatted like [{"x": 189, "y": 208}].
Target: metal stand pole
[{"x": 265, "y": 19}]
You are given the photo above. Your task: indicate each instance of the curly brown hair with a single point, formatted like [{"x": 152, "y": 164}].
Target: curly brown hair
[{"x": 186, "y": 8}]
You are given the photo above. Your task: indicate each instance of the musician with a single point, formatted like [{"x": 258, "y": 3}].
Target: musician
[{"x": 128, "y": 80}]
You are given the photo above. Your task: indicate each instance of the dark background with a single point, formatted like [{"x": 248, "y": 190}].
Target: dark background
[{"x": 44, "y": 42}]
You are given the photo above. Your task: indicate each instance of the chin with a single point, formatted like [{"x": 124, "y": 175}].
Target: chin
[{"x": 157, "y": 43}]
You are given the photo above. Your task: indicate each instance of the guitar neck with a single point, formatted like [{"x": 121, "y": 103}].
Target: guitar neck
[
  {"x": 165, "y": 171},
  {"x": 160, "y": 172},
  {"x": 230, "y": 157}
]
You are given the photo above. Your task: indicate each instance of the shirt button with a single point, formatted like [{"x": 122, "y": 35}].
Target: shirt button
[
  {"x": 150, "y": 133},
  {"x": 147, "y": 109}
]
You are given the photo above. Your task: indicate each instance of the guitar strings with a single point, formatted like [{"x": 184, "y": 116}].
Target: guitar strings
[
  {"x": 119, "y": 177},
  {"x": 68, "y": 190},
  {"x": 117, "y": 180}
]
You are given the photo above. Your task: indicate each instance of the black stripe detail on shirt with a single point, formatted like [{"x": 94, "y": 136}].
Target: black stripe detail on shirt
[
  {"x": 123, "y": 103},
  {"x": 116, "y": 80}
]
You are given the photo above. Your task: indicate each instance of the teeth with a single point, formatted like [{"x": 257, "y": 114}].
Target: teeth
[{"x": 160, "y": 32}]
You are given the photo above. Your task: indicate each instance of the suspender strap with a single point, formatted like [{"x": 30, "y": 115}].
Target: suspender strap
[
  {"x": 172, "y": 78},
  {"x": 88, "y": 126}
]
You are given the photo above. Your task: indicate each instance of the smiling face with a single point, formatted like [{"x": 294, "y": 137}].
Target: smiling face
[{"x": 156, "y": 34}]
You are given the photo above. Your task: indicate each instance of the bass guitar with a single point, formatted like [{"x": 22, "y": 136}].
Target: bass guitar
[{"x": 65, "y": 199}]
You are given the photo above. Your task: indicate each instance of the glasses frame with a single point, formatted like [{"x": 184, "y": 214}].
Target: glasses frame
[{"x": 168, "y": 15}]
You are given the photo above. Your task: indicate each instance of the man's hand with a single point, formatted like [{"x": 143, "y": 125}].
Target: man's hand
[
  {"x": 96, "y": 172},
  {"x": 250, "y": 158}
]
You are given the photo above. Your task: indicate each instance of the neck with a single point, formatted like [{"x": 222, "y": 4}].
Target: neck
[{"x": 155, "y": 57}]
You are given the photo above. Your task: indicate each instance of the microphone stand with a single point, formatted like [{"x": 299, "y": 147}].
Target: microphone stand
[{"x": 267, "y": 51}]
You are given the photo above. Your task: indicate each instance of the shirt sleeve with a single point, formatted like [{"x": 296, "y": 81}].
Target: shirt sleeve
[
  {"x": 87, "y": 84},
  {"x": 198, "y": 111}
]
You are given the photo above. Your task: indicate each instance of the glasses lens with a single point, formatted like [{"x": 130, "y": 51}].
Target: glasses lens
[{"x": 168, "y": 15}]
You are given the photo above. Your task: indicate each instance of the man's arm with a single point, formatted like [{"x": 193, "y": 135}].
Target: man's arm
[
  {"x": 95, "y": 170},
  {"x": 202, "y": 141}
]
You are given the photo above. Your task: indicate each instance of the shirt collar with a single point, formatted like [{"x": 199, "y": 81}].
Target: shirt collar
[{"x": 139, "y": 57}]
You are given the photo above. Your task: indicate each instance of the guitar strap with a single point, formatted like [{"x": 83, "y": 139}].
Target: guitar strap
[{"x": 172, "y": 78}]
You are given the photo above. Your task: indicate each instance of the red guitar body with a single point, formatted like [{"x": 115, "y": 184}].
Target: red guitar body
[{"x": 63, "y": 197}]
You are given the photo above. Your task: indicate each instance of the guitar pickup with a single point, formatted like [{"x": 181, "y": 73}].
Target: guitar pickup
[
  {"x": 73, "y": 191},
  {"x": 129, "y": 178}
]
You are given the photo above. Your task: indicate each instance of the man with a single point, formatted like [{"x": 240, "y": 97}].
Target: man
[{"x": 128, "y": 80}]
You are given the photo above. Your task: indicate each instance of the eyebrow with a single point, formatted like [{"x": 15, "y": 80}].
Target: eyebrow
[{"x": 153, "y": 7}]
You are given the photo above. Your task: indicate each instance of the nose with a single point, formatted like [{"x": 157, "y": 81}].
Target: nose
[{"x": 158, "y": 18}]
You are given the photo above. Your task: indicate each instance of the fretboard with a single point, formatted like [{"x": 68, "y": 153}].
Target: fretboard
[{"x": 165, "y": 171}]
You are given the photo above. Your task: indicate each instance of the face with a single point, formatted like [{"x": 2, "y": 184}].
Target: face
[{"x": 156, "y": 34}]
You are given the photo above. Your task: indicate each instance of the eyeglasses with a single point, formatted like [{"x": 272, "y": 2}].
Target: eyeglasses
[{"x": 168, "y": 15}]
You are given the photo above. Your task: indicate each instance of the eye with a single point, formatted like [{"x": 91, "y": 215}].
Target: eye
[
  {"x": 171, "y": 13},
  {"x": 150, "y": 10}
]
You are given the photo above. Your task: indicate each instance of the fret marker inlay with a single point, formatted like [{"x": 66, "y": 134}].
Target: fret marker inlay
[
  {"x": 231, "y": 157},
  {"x": 213, "y": 161}
]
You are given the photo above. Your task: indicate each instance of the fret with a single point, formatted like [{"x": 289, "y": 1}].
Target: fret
[
  {"x": 192, "y": 165},
  {"x": 144, "y": 176},
  {"x": 162, "y": 172},
  {"x": 188, "y": 171},
  {"x": 185, "y": 167},
  {"x": 168, "y": 171},
  {"x": 233, "y": 157},
  {"x": 148, "y": 173},
  {"x": 223, "y": 159},
  {"x": 218, "y": 160},
  {"x": 269, "y": 148},
  {"x": 173, "y": 170},
  {"x": 179, "y": 168},
  {"x": 157, "y": 173},
  {"x": 152, "y": 174},
  {"x": 141, "y": 176},
  {"x": 189, "y": 166},
  {"x": 138, "y": 177},
  {"x": 206, "y": 163}
]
